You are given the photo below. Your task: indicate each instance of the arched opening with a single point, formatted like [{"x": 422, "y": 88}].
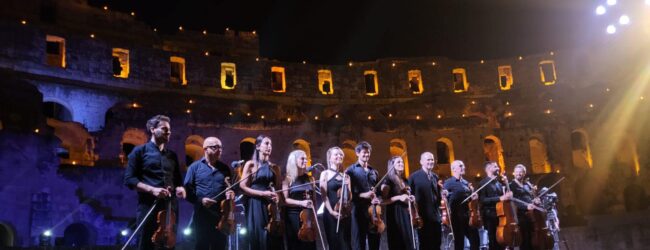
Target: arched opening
[
  {"x": 627, "y": 158},
  {"x": 247, "y": 148},
  {"x": 580, "y": 150},
  {"x": 538, "y": 156},
  {"x": 79, "y": 234},
  {"x": 398, "y": 148},
  {"x": 57, "y": 111},
  {"x": 444, "y": 151},
  {"x": 304, "y": 146},
  {"x": 7, "y": 235},
  {"x": 493, "y": 150},
  {"x": 193, "y": 149},
  {"x": 350, "y": 157},
  {"x": 132, "y": 137}
]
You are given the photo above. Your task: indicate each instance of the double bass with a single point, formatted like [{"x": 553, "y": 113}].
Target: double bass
[
  {"x": 542, "y": 238},
  {"x": 508, "y": 233},
  {"x": 165, "y": 234},
  {"x": 227, "y": 222},
  {"x": 276, "y": 224}
]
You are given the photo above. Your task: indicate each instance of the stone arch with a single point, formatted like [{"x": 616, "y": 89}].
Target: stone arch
[
  {"x": 57, "y": 109},
  {"x": 130, "y": 138},
  {"x": 7, "y": 235},
  {"x": 247, "y": 148},
  {"x": 77, "y": 144},
  {"x": 79, "y": 234},
  {"x": 398, "y": 148},
  {"x": 444, "y": 151},
  {"x": 303, "y": 145},
  {"x": 493, "y": 150},
  {"x": 350, "y": 157},
  {"x": 627, "y": 158},
  {"x": 538, "y": 156},
  {"x": 580, "y": 149},
  {"x": 193, "y": 149}
]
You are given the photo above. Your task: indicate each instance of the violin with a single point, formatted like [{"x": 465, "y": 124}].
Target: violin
[
  {"x": 343, "y": 205},
  {"x": 307, "y": 231},
  {"x": 416, "y": 220},
  {"x": 165, "y": 234},
  {"x": 376, "y": 223},
  {"x": 542, "y": 238},
  {"x": 508, "y": 233},
  {"x": 227, "y": 222},
  {"x": 275, "y": 225},
  {"x": 475, "y": 220},
  {"x": 444, "y": 208}
]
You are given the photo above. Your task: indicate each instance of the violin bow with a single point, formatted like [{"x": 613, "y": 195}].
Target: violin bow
[{"x": 479, "y": 189}]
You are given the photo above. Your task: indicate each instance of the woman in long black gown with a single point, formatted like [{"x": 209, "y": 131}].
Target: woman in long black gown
[
  {"x": 398, "y": 221},
  {"x": 295, "y": 186},
  {"x": 331, "y": 181},
  {"x": 262, "y": 173}
]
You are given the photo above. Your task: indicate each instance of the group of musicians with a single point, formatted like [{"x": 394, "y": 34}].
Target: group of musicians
[{"x": 353, "y": 198}]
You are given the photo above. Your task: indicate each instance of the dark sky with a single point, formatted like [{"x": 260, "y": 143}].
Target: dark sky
[{"x": 335, "y": 32}]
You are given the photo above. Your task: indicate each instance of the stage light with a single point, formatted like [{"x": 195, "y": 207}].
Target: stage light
[
  {"x": 611, "y": 29},
  {"x": 433, "y": 63},
  {"x": 521, "y": 58},
  {"x": 417, "y": 117},
  {"x": 132, "y": 13},
  {"x": 205, "y": 32},
  {"x": 601, "y": 10},
  {"x": 47, "y": 233},
  {"x": 92, "y": 35},
  {"x": 180, "y": 28},
  {"x": 243, "y": 231},
  {"x": 624, "y": 20},
  {"x": 439, "y": 116},
  {"x": 124, "y": 232},
  {"x": 393, "y": 65},
  {"x": 187, "y": 231},
  {"x": 611, "y": 2},
  {"x": 390, "y": 115},
  {"x": 262, "y": 117},
  {"x": 36, "y": 131},
  {"x": 316, "y": 118},
  {"x": 482, "y": 61},
  {"x": 23, "y": 22}
]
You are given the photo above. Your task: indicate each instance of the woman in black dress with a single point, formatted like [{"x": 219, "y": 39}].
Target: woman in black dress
[
  {"x": 295, "y": 186},
  {"x": 331, "y": 181},
  {"x": 257, "y": 189},
  {"x": 398, "y": 220}
]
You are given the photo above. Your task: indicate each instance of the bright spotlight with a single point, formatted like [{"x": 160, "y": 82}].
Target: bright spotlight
[
  {"x": 187, "y": 231},
  {"x": 243, "y": 231},
  {"x": 611, "y": 29},
  {"x": 624, "y": 20},
  {"x": 600, "y": 10},
  {"x": 47, "y": 233},
  {"x": 647, "y": 2},
  {"x": 124, "y": 232},
  {"x": 611, "y": 2}
]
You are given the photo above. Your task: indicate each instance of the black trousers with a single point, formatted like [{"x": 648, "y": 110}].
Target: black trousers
[
  {"x": 526, "y": 229},
  {"x": 462, "y": 230},
  {"x": 430, "y": 235},
  {"x": 208, "y": 237},
  {"x": 360, "y": 232},
  {"x": 491, "y": 222},
  {"x": 150, "y": 225}
]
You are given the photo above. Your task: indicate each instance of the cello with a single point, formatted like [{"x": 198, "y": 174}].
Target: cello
[
  {"x": 227, "y": 222},
  {"x": 275, "y": 225},
  {"x": 508, "y": 233},
  {"x": 165, "y": 234}
]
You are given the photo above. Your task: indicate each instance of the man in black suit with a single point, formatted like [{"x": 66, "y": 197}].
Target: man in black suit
[{"x": 424, "y": 186}]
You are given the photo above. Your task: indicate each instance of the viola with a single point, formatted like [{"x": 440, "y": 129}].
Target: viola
[
  {"x": 165, "y": 234},
  {"x": 475, "y": 220},
  {"x": 542, "y": 238},
  {"x": 227, "y": 222},
  {"x": 307, "y": 231},
  {"x": 275, "y": 225},
  {"x": 508, "y": 233}
]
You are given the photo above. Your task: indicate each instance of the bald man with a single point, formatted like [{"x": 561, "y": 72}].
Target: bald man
[
  {"x": 205, "y": 179},
  {"x": 459, "y": 189},
  {"x": 424, "y": 186}
]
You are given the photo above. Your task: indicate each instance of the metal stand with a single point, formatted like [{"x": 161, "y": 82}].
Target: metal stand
[{"x": 140, "y": 225}]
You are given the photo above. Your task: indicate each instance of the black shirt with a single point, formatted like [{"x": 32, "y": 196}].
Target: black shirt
[
  {"x": 203, "y": 181},
  {"x": 427, "y": 194},
  {"x": 149, "y": 165},
  {"x": 458, "y": 190},
  {"x": 523, "y": 192},
  {"x": 489, "y": 195},
  {"x": 361, "y": 181}
]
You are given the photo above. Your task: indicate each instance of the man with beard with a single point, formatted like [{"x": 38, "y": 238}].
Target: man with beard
[{"x": 489, "y": 196}]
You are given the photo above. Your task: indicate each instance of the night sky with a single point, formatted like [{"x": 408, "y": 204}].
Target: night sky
[{"x": 335, "y": 32}]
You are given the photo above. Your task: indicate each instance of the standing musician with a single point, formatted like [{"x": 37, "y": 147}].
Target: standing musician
[
  {"x": 154, "y": 172},
  {"x": 331, "y": 183},
  {"x": 489, "y": 196},
  {"x": 205, "y": 179},
  {"x": 294, "y": 187},
  {"x": 257, "y": 188},
  {"x": 424, "y": 184},
  {"x": 396, "y": 199},
  {"x": 523, "y": 191},
  {"x": 459, "y": 189},
  {"x": 362, "y": 180}
]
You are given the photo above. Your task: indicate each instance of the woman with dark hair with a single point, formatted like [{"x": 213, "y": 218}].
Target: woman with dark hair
[
  {"x": 261, "y": 174},
  {"x": 396, "y": 199},
  {"x": 331, "y": 180}
]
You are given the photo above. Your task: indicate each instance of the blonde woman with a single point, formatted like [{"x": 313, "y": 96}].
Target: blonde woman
[
  {"x": 296, "y": 186},
  {"x": 331, "y": 180}
]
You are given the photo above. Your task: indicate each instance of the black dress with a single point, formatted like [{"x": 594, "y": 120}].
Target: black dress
[
  {"x": 342, "y": 239},
  {"x": 398, "y": 220},
  {"x": 292, "y": 223},
  {"x": 257, "y": 215}
]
